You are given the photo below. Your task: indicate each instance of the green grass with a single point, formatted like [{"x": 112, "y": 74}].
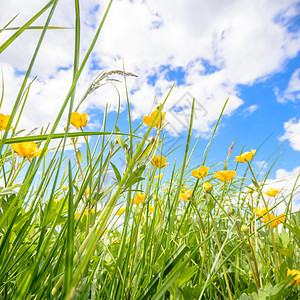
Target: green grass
[{"x": 58, "y": 241}]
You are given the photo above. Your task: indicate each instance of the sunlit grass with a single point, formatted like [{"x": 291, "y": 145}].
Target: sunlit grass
[{"x": 69, "y": 230}]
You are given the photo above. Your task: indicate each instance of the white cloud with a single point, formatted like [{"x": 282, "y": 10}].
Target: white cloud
[
  {"x": 250, "y": 109},
  {"x": 218, "y": 46},
  {"x": 292, "y": 133},
  {"x": 292, "y": 92}
]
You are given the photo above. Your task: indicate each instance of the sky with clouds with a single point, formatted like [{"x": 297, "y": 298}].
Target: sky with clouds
[{"x": 247, "y": 51}]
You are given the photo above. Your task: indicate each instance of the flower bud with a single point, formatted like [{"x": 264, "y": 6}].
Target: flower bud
[
  {"x": 207, "y": 187},
  {"x": 245, "y": 228},
  {"x": 250, "y": 191},
  {"x": 158, "y": 106}
]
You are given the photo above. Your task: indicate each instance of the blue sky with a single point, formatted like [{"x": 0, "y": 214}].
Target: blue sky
[{"x": 245, "y": 50}]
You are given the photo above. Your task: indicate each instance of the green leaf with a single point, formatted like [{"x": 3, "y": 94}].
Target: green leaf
[
  {"x": 117, "y": 173},
  {"x": 79, "y": 155},
  {"x": 135, "y": 176}
]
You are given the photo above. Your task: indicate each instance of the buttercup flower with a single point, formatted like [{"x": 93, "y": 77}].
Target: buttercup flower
[
  {"x": 225, "y": 175},
  {"x": 159, "y": 176},
  {"x": 272, "y": 192},
  {"x": 121, "y": 211},
  {"x": 246, "y": 156},
  {"x": 296, "y": 279},
  {"x": 185, "y": 195},
  {"x": 201, "y": 172},
  {"x": 207, "y": 187},
  {"x": 139, "y": 198},
  {"x": 151, "y": 208},
  {"x": 3, "y": 121},
  {"x": 78, "y": 120},
  {"x": 148, "y": 120},
  {"x": 274, "y": 223},
  {"x": 260, "y": 211},
  {"x": 159, "y": 161},
  {"x": 85, "y": 213},
  {"x": 27, "y": 149}
]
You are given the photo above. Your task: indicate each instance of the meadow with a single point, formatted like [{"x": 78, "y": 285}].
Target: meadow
[{"x": 67, "y": 231}]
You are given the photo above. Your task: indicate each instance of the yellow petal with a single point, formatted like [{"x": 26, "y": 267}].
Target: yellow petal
[{"x": 84, "y": 119}]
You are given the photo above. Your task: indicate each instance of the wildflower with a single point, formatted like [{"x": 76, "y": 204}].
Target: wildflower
[
  {"x": 115, "y": 240},
  {"x": 87, "y": 192},
  {"x": 207, "y": 187},
  {"x": 27, "y": 149},
  {"x": 185, "y": 195},
  {"x": 3, "y": 121},
  {"x": 148, "y": 120},
  {"x": 225, "y": 175},
  {"x": 78, "y": 120},
  {"x": 296, "y": 278},
  {"x": 246, "y": 156},
  {"x": 159, "y": 161},
  {"x": 159, "y": 177},
  {"x": 151, "y": 208},
  {"x": 272, "y": 192},
  {"x": 275, "y": 223},
  {"x": 121, "y": 211},
  {"x": 272, "y": 269},
  {"x": 139, "y": 198},
  {"x": 64, "y": 187},
  {"x": 201, "y": 172},
  {"x": 85, "y": 213},
  {"x": 260, "y": 211}
]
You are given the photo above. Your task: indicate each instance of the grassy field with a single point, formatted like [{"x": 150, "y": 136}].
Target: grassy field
[{"x": 67, "y": 231}]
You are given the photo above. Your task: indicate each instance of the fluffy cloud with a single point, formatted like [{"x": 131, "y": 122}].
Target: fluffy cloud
[
  {"x": 292, "y": 92},
  {"x": 216, "y": 45},
  {"x": 292, "y": 133}
]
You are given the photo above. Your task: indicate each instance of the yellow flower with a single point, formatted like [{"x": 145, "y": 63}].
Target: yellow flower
[
  {"x": 260, "y": 211},
  {"x": 115, "y": 240},
  {"x": 148, "y": 120},
  {"x": 159, "y": 161},
  {"x": 151, "y": 208},
  {"x": 78, "y": 120},
  {"x": 27, "y": 149},
  {"x": 139, "y": 198},
  {"x": 201, "y": 172},
  {"x": 159, "y": 177},
  {"x": 64, "y": 187},
  {"x": 272, "y": 192},
  {"x": 246, "y": 156},
  {"x": 121, "y": 211},
  {"x": 274, "y": 223},
  {"x": 85, "y": 213},
  {"x": 225, "y": 175},
  {"x": 207, "y": 187},
  {"x": 3, "y": 121},
  {"x": 185, "y": 195},
  {"x": 296, "y": 279}
]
